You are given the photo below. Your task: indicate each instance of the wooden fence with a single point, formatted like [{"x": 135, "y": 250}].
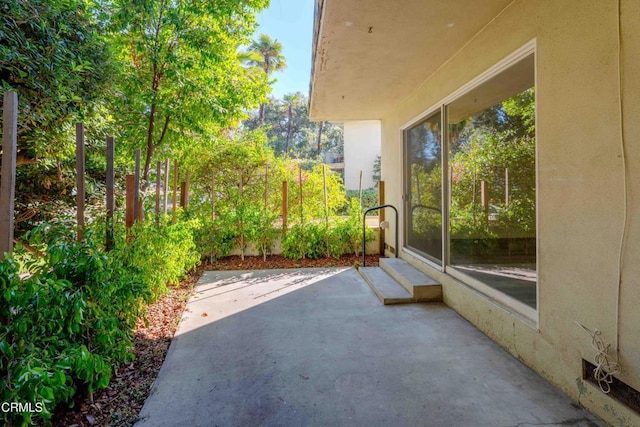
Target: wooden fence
[{"x": 134, "y": 210}]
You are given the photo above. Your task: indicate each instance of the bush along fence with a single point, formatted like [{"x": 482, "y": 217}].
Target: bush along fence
[
  {"x": 252, "y": 199},
  {"x": 70, "y": 294},
  {"x": 72, "y": 290}
]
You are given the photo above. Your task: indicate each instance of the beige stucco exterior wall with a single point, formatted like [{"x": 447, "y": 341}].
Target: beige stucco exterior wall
[
  {"x": 362, "y": 140},
  {"x": 580, "y": 186}
]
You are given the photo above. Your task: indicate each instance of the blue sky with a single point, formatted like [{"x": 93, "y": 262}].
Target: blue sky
[{"x": 291, "y": 23}]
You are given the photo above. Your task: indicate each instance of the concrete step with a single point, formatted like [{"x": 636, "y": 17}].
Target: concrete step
[
  {"x": 385, "y": 287},
  {"x": 422, "y": 287}
]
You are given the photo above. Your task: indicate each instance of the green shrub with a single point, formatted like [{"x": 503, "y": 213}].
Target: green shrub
[
  {"x": 66, "y": 324},
  {"x": 350, "y": 229},
  {"x": 338, "y": 237},
  {"x": 214, "y": 239},
  {"x": 265, "y": 234},
  {"x": 304, "y": 241},
  {"x": 160, "y": 253},
  {"x": 369, "y": 200},
  {"x": 70, "y": 320}
]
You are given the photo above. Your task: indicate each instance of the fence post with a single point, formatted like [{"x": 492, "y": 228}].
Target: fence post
[
  {"x": 266, "y": 185},
  {"x": 110, "y": 193},
  {"x": 506, "y": 187},
  {"x": 360, "y": 189},
  {"x": 241, "y": 189},
  {"x": 381, "y": 216},
  {"x": 326, "y": 197},
  {"x": 301, "y": 199},
  {"x": 175, "y": 188},
  {"x": 213, "y": 196},
  {"x": 136, "y": 188},
  {"x": 158, "y": 177},
  {"x": 165, "y": 187},
  {"x": 8, "y": 187},
  {"x": 130, "y": 204},
  {"x": 183, "y": 194},
  {"x": 484, "y": 199},
  {"x": 326, "y": 208},
  {"x": 185, "y": 198},
  {"x": 80, "y": 193},
  {"x": 285, "y": 205}
]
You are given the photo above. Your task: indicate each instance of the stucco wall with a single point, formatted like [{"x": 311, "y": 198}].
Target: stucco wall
[
  {"x": 580, "y": 186},
  {"x": 362, "y": 140}
]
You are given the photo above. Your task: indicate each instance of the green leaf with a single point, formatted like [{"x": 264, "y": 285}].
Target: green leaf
[{"x": 47, "y": 394}]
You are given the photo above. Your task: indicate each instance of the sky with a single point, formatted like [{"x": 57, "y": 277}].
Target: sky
[{"x": 291, "y": 23}]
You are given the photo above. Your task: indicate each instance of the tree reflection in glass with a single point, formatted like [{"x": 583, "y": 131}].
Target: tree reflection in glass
[{"x": 492, "y": 214}]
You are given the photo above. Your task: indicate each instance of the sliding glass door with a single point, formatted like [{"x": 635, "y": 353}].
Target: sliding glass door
[
  {"x": 490, "y": 186},
  {"x": 423, "y": 188}
]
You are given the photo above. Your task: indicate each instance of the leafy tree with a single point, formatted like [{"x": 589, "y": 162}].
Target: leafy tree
[
  {"x": 53, "y": 53},
  {"x": 290, "y": 132},
  {"x": 290, "y": 101},
  {"x": 313, "y": 193},
  {"x": 319, "y": 139},
  {"x": 266, "y": 54},
  {"x": 238, "y": 164},
  {"x": 46, "y": 190},
  {"x": 500, "y": 138},
  {"x": 377, "y": 169},
  {"x": 181, "y": 73}
]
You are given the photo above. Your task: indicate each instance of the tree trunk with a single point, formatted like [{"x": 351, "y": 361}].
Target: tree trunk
[
  {"x": 150, "y": 148},
  {"x": 289, "y": 120},
  {"x": 319, "y": 141},
  {"x": 261, "y": 114}
]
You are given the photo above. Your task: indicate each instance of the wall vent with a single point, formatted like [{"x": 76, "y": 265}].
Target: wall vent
[{"x": 619, "y": 390}]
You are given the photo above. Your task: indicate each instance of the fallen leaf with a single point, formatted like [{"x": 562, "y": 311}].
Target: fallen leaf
[{"x": 204, "y": 314}]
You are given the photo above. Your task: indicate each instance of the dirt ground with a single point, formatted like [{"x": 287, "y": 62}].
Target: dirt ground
[
  {"x": 121, "y": 402},
  {"x": 278, "y": 261}
]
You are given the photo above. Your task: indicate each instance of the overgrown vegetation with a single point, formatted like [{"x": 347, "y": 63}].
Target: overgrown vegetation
[
  {"x": 333, "y": 237},
  {"x": 69, "y": 321},
  {"x": 241, "y": 185}
]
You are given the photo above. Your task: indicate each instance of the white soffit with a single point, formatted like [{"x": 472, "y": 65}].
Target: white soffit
[{"x": 371, "y": 54}]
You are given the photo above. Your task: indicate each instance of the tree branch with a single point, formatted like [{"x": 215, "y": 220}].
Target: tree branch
[{"x": 164, "y": 130}]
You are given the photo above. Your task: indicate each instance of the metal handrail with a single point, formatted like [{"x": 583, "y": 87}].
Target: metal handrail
[{"x": 364, "y": 231}]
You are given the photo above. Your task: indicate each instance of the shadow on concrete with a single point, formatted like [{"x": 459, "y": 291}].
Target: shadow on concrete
[{"x": 315, "y": 347}]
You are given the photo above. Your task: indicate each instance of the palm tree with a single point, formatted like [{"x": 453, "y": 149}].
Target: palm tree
[{"x": 268, "y": 56}]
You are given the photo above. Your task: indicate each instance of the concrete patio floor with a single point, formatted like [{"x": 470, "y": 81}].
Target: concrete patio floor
[{"x": 315, "y": 347}]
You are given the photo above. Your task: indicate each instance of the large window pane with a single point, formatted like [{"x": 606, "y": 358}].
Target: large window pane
[
  {"x": 423, "y": 188},
  {"x": 492, "y": 174}
]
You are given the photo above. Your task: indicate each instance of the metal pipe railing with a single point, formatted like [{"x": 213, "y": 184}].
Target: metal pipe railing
[{"x": 364, "y": 231}]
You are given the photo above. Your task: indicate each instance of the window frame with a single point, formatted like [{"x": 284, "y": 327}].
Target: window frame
[
  {"x": 515, "y": 307},
  {"x": 406, "y": 190}
]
